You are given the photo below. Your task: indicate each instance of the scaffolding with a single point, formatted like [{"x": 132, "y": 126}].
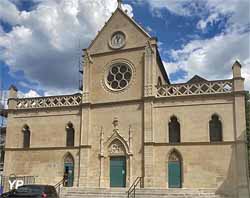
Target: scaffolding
[
  {"x": 80, "y": 64},
  {"x": 3, "y": 117}
]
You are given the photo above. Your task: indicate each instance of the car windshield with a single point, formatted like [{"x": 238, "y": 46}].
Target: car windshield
[{"x": 29, "y": 189}]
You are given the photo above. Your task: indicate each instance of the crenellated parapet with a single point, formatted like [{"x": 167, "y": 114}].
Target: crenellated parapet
[
  {"x": 192, "y": 89},
  {"x": 47, "y": 102}
]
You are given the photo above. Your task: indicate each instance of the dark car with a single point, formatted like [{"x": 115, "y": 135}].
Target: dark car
[{"x": 32, "y": 191}]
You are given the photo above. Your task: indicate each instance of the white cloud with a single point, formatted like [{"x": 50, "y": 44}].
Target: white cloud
[
  {"x": 44, "y": 42},
  {"x": 176, "y": 6},
  {"x": 29, "y": 94},
  {"x": 203, "y": 23},
  {"x": 8, "y": 12},
  {"x": 171, "y": 67},
  {"x": 213, "y": 58},
  {"x": 209, "y": 11},
  {"x": 3, "y": 99}
]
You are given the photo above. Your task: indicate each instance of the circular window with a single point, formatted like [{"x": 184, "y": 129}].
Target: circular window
[
  {"x": 119, "y": 75},
  {"x": 118, "y": 40}
]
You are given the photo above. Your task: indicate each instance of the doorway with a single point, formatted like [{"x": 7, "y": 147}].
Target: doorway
[
  {"x": 68, "y": 171},
  {"x": 118, "y": 172},
  {"x": 174, "y": 171}
]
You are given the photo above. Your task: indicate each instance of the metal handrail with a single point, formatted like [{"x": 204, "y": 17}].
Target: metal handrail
[
  {"x": 131, "y": 190},
  {"x": 58, "y": 186}
]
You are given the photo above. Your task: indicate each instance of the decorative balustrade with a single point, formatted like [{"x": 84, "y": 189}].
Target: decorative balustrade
[
  {"x": 46, "y": 102},
  {"x": 187, "y": 89}
]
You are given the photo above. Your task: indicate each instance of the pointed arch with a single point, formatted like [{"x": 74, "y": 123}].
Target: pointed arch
[
  {"x": 117, "y": 139},
  {"x": 175, "y": 169},
  {"x": 70, "y": 134},
  {"x": 68, "y": 173},
  {"x": 215, "y": 128},
  {"x": 116, "y": 147},
  {"x": 26, "y": 136},
  {"x": 174, "y": 129},
  {"x": 68, "y": 158},
  {"x": 176, "y": 153}
]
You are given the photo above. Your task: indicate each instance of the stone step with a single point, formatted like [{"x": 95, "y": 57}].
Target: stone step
[{"x": 140, "y": 193}]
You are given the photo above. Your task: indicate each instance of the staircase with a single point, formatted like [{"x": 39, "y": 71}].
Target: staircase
[{"x": 140, "y": 193}]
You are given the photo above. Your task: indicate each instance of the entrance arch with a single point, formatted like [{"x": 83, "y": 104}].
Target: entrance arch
[
  {"x": 118, "y": 167},
  {"x": 68, "y": 170},
  {"x": 174, "y": 169}
]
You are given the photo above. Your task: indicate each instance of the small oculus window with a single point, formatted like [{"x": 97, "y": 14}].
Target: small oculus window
[{"x": 118, "y": 40}]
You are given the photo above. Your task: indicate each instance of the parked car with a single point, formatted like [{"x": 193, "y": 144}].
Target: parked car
[{"x": 32, "y": 191}]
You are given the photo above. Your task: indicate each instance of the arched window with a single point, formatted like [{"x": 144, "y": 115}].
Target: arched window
[
  {"x": 174, "y": 130},
  {"x": 70, "y": 136},
  {"x": 26, "y": 136},
  {"x": 215, "y": 129}
]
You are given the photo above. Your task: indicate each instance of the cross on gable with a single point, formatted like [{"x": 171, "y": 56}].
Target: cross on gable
[{"x": 119, "y": 3}]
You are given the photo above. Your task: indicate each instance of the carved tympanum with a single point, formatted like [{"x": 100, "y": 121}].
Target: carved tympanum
[{"x": 116, "y": 148}]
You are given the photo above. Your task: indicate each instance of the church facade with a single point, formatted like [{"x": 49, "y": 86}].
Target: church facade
[{"x": 130, "y": 121}]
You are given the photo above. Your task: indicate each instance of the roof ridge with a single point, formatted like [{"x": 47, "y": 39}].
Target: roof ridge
[{"x": 126, "y": 15}]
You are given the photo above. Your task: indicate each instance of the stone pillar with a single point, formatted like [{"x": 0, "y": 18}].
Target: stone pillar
[
  {"x": 86, "y": 76},
  {"x": 148, "y": 166},
  {"x": 148, "y": 144},
  {"x": 12, "y": 97},
  {"x": 149, "y": 69},
  {"x": 149, "y": 94},
  {"x": 85, "y": 145},
  {"x": 240, "y": 133}
]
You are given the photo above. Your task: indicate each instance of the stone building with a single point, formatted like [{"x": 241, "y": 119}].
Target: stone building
[{"x": 130, "y": 121}]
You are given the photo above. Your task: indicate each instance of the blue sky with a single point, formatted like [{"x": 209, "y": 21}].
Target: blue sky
[{"x": 39, "y": 39}]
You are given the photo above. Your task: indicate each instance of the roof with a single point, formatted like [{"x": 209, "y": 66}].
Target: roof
[
  {"x": 237, "y": 63},
  {"x": 128, "y": 17},
  {"x": 161, "y": 66},
  {"x": 13, "y": 87},
  {"x": 196, "y": 79}
]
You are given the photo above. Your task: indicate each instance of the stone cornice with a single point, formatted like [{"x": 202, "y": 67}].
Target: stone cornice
[
  {"x": 119, "y": 51},
  {"x": 47, "y": 148},
  {"x": 192, "y": 143}
]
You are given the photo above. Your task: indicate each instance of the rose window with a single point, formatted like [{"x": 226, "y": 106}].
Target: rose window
[{"x": 119, "y": 76}]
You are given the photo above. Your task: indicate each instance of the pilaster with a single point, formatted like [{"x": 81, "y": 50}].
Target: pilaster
[
  {"x": 85, "y": 145},
  {"x": 240, "y": 133},
  {"x": 149, "y": 70},
  {"x": 86, "y": 76},
  {"x": 148, "y": 149}
]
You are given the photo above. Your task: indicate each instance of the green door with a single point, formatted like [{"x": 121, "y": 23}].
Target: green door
[
  {"x": 117, "y": 172},
  {"x": 69, "y": 170},
  {"x": 174, "y": 174}
]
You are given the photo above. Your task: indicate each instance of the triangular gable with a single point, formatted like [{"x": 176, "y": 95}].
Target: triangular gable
[
  {"x": 197, "y": 79},
  {"x": 110, "y": 19}
]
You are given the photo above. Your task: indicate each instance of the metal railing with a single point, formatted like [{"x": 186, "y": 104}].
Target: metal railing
[
  {"x": 58, "y": 186},
  {"x": 132, "y": 189}
]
